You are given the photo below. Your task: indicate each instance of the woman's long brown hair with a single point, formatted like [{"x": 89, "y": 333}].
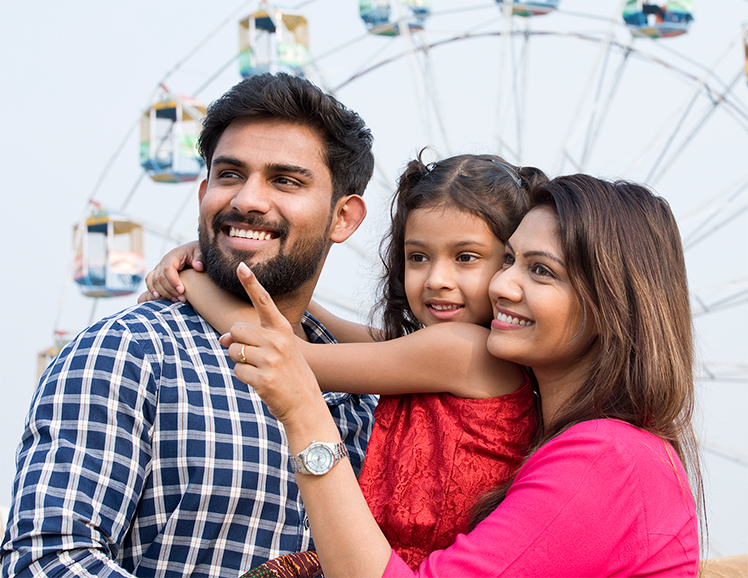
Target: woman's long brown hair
[{"x": 625, "y": 260}]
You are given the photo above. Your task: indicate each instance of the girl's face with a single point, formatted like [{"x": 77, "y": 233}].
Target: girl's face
[
  {"x": 450, "y": 257},
  {"x": 538, "y": 317}
]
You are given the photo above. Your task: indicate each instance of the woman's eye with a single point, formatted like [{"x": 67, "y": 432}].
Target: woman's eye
[
  {"x": 508, "y": 260},
  {"x": 541, "y": 271}
]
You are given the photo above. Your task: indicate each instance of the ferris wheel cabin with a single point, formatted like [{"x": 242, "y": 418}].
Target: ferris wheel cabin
[
  {"x": 535, "y": 8},
  {"x": 273, "y": 40},
  {"x": 381, "y": 19},
  {"x": 109, "y": 259},
  {"x": 168, "y": 135},
  {"x": 658, "y": 21}
]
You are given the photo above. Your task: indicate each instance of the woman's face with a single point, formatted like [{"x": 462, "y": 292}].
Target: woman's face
[{"x": 537, "y": 313}]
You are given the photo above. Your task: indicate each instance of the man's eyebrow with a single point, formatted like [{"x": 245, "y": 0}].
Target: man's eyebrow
[
  {"x": 227, "y": 161},
  {"x": 274, "y": 168},
  {"x": 295, "y": 169},
  {"x": 550, "y": 256}
]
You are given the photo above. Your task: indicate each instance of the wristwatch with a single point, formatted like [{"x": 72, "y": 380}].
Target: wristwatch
[{"x": 318, "y": 458}]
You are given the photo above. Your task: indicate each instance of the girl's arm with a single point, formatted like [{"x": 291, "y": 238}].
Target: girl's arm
[
  {"x": 443, "y": 358},
  {"x": 447, "y": 357},
  {"x": 164, "y": 281},
  {"x": 344, "y": 331}
]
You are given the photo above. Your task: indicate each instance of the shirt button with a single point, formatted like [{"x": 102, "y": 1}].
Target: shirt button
[{"x": 306, "y": 522}]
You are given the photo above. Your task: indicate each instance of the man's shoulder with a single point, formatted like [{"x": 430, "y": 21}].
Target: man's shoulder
[{"x": 152, "y": 321}]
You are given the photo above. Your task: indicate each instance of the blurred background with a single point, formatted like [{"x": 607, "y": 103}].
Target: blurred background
[{"x": 660, "y": 97}]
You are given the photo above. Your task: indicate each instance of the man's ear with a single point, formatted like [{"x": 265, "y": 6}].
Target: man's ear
[
  {"x": 201, "y": 193},
  {"x": 348, "y": 214}
]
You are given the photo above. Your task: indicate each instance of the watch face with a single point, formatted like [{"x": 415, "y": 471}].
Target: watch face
[{"x": 319, "y": 459}]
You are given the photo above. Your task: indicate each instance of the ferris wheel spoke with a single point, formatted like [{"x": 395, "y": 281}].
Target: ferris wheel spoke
[{"x": 574, "y": 124}]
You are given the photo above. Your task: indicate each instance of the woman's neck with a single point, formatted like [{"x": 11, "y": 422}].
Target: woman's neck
[{"x": 557, "y": 386}]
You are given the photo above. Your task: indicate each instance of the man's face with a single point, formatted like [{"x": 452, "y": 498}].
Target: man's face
[{"x": 267, "y": 202}]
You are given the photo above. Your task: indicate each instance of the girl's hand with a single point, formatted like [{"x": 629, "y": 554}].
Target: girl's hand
[
  {"x": 163, "y": 282},
  {"x": 268, "y": 359}
]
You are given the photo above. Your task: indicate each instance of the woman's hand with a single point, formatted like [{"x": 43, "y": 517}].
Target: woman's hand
[
  {"x": 268, "y": 358},
  {"x": 163, "y": 282}
]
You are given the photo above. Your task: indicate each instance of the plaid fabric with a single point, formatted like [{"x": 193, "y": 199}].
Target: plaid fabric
[{"x": 143, "y": 454}]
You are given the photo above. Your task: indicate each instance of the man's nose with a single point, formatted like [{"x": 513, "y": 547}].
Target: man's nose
[{"x": 253, "y": 196}]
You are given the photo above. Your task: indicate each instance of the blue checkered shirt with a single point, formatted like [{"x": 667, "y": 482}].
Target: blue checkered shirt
[{"x": 143, "y": 455}]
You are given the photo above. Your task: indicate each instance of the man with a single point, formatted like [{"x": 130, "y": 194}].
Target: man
[{"x": 143, "y": 454}]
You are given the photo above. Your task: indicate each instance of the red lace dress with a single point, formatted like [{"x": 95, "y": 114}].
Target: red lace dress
[{"x": 431, "y": 456}]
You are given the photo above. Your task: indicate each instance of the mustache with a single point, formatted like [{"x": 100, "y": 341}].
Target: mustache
[{"x": 251, "y": 220}]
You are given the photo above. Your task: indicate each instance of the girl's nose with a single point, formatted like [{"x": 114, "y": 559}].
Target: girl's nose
[{"x": 441, "y": 276}]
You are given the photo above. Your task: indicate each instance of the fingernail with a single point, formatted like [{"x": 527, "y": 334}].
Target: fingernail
[
  {"x": 156, "y": 295},
  {"x": 180, "y": 289},
  {"x": 244, "y": 269}
]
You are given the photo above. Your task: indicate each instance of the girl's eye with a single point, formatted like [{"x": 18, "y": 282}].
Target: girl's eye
[
  {"x": 508, "y": 260},
  {"x": 465, "y": 258},
  {"x": 417, "y": 257}
]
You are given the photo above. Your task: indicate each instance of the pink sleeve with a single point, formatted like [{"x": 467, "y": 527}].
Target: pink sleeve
[{"x": 586, "y": 503}]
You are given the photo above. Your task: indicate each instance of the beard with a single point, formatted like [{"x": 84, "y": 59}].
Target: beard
[{"x": 280, "y": 275}]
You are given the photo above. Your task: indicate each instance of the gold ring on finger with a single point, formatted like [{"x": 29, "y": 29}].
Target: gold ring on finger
[{"x": 242, "y": 359}]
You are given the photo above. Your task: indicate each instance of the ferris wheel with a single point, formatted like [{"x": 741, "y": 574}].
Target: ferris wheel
[{"x": 616, "y": 88}]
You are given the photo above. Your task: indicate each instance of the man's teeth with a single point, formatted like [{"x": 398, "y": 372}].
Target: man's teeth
[
  {"x": 250, "y": 234},
  {"x": 445, "y": 307},
  {"x": 513, "y": 320}
]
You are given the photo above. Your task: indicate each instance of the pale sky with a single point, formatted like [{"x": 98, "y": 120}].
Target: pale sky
[{"x": 76, "y": 75}]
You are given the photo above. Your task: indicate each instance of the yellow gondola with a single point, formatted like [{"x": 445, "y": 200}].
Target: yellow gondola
[
  {"x": 168, "y": 134},
  {"x": 109, "y": 259},
  {"x": 273, "y": 40}
]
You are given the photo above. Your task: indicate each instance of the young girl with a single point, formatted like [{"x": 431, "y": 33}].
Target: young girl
[{"x": 453, "y": 421}]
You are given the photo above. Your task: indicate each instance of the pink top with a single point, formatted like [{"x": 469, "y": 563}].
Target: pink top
[
  {"x": 431, "y": 455},
  {"x": 602, "y": 499}
]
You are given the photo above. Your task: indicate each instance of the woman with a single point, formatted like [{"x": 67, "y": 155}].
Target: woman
[{"x": 593, "y": 297}]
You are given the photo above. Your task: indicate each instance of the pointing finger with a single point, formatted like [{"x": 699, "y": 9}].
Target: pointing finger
[{"x": 270, "y": 317}]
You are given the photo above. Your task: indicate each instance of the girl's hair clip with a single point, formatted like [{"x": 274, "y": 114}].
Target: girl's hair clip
[{"x": 511, "y": 171}]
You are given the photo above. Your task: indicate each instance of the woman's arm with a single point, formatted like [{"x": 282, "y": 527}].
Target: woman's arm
[
  {"x": 347, "y": 538},
  {"x": 344, "y": 331}
]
